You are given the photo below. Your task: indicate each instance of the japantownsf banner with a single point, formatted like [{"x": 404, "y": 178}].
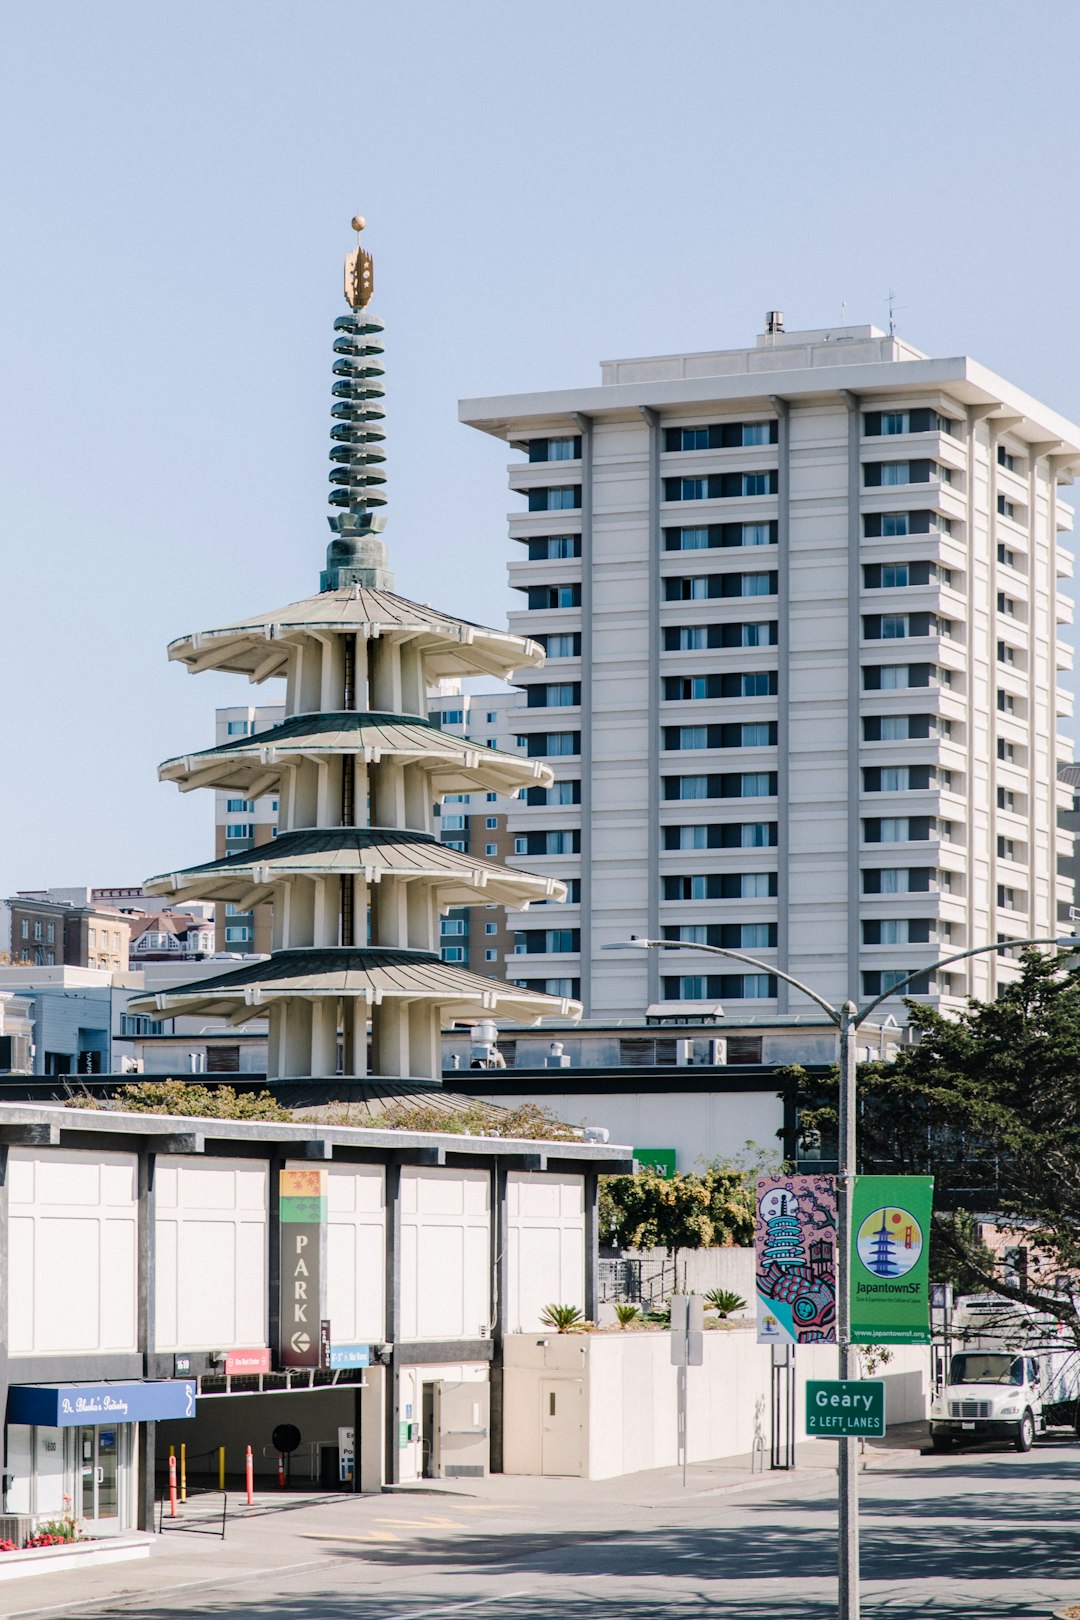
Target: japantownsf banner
[
  {"x": 795, "y": 1252},
  {"x": 890, "y": 1259}
]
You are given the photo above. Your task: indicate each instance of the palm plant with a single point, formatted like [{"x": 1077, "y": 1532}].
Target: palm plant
[
  {"x": 723, "y": 1301},
  {"x": 625, "y": 1314},
  {"x": 561, "y": 1317}
]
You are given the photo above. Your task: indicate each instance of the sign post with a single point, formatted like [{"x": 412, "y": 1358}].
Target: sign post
[{"x": 687, "y": 1350}]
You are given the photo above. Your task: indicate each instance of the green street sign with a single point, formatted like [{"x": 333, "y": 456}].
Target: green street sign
[{"x": 838, "y": 1407}]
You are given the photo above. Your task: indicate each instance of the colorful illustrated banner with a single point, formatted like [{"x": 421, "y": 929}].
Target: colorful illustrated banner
[
  {"x": 795, "y": 1251},
  {"x": 890, "y": 1259},
  {"x": 302, "y": 1224}
]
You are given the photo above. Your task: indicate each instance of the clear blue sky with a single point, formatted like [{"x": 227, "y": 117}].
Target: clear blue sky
[{"x": 546, "y": 186}]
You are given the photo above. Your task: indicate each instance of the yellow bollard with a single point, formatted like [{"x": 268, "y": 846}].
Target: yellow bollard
[
  {"x": 183, "y": 1472},
  {"x": 221, "y": 1468}
]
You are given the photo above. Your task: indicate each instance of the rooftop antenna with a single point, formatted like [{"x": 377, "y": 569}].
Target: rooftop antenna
[{"x": 893, "y": 307}]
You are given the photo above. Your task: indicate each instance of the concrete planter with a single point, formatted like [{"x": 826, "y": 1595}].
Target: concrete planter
[{"x": 73, "y": 1555}]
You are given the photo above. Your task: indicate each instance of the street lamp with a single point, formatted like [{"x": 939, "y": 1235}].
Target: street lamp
[{"x": 847, "y": 1018}]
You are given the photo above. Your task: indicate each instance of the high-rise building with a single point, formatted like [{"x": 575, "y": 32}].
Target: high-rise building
[
  {"x": 801, "y": 607},
  {"x": 355, "y": 986}
]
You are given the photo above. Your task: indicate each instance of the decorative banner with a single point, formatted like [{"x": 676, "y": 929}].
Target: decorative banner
[
  {"x": 302, "y": 1223},
  {"x": 795, "y": 1248},
  {"x": 890, "y": 1259}
]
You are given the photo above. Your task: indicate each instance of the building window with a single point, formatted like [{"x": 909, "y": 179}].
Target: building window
[
  {"x": 491, "y": 849},
  {"x": 1006, "y": 897},
  {"x": 240, "y": 805},
  {"x": 1006, "y": 702},
  {"x": 1007, "y": 556},
  {"x": 239, "y": 829},
  {"x": 491, "y": 928},
  {"x": 50, "y": 933},
  {"x": 452, "y": 823},
  {"x": 566, "y": 448},
  {"x": 1006, "y": 508},
  {"x": 453, "y": 953},
  {"x": 237, "y": 934},
  {"x": 565, "y": 498},
  {"x": 453, "y": 925},
  {"x": 491, "y": 956},
  {"x": 719, "y": 986},
  {"x": 240, "y": 728},
  {"x": 1006, "y": 849},
  {"x": 24, "y": 928}
]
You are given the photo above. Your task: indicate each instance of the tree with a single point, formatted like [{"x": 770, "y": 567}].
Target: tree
[
  {"x": 683, "y": 1211},
  {"x": 988, "y": 1103}
]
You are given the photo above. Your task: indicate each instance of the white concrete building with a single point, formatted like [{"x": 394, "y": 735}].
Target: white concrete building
[{"x": 801, "y": 607}]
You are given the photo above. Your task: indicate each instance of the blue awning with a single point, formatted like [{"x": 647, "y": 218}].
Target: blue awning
[{"x": 64, "y": 1405}]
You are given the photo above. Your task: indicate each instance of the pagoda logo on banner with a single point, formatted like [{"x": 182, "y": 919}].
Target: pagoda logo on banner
[{"x": 795, "y": 1252}]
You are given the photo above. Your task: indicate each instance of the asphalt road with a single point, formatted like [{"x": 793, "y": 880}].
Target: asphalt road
[{"x": 988, "y": 1533}]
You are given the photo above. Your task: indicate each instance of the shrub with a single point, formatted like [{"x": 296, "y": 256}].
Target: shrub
[
  {"x": 625, "y": 1314},
  {"x": 189, "y": 1101},
  {"x": 723, "y": 1301},
  {"x": 561, "y": 1317}
]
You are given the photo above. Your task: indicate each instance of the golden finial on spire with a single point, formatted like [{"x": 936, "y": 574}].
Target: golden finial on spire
[{"x": 359, "y": 270}]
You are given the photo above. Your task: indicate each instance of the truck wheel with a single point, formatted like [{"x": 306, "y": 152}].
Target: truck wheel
[
  {"x": 1025, "y": 1434},
  {"x": 941, "y": 1442}
]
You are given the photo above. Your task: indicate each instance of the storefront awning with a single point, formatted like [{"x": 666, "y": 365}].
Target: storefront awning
[{"x": 61, "y": 1406}]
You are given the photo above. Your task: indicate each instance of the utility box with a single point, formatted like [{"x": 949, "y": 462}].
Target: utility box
[{"x": 460, "y": 1447}]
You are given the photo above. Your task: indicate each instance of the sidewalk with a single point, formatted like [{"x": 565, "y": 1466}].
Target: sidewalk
[{"x": 298, "y": 1532}]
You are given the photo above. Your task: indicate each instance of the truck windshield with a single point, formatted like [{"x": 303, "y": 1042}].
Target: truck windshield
[{"x": 986, "y": 1369}]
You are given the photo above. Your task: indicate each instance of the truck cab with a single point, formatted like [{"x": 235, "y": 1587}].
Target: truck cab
[{"x": 989, "y": 1394}]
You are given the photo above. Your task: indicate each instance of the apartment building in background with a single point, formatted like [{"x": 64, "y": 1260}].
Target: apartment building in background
[
  {"x": 63, "y": 927},
  {"x": 241, "y": 824},
  {"x": 802, "y": 606}
]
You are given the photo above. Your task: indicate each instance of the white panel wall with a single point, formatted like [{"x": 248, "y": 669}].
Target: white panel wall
[
  {"x": 700, "y": 1126},
  {"x": 356, "y": 1253},
  {"x": 73, "y": 1278},
  {"x": 445, "y": 1253},
  {"x": 546, "y": 1260},
  {"x": 212, "y": 1253}
]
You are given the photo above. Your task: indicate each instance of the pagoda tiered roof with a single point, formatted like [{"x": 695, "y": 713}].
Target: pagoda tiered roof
[
  {"x": 372, "y": 974},
  {"x": 259, "y": 647},
  {"x": 368, "y": 852},
  {"x": 253, "y": 763}
]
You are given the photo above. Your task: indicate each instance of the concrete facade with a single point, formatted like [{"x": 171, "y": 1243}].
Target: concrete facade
[{"x": 801, "y": 607}]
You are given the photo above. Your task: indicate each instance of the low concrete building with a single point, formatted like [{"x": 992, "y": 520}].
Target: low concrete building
[
  {"x": 682, "y": 1090},
  {"x": 153, "y": 1297}
]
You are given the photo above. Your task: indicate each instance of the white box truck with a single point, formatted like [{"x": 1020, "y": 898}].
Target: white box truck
[{"x": 1013, "y": 1372}]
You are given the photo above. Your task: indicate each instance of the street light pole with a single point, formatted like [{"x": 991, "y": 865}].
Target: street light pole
[
  {"x": 847, "y": 1018},
  {"x": 847, "y": 1492}
]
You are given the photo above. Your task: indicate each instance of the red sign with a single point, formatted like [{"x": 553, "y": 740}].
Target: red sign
[{"x": 246, "y": 1361}]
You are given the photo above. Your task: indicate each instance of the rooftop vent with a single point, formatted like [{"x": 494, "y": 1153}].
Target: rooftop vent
[{"x": 774, "y": 321}]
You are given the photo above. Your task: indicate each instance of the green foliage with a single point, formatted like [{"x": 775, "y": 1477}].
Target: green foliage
[
  {"x": 625, "y": 1314},
  {"x": 188, "y": 1100},
  {"x": 683, "y": 1211},
  {"x": 989, "y": 1104},
  {"x": 723, "y": 1301},
  {"x": 561, "y": 1317},
  {"x": 525, "y": 1123}
]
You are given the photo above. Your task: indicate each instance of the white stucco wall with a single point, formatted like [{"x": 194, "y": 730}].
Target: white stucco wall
[
  {"x": 72, "y": 1278},
  {"x": 445, "y": 1253},
  {"x": 356, "y": 1252},
  {"x": 629, "y": 1397},
  {"x": 546, "y": 1259},
  {"x": 212, "y": 1253}
]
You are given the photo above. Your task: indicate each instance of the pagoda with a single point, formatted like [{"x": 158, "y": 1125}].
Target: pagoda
[{"x": 355, "y": 988}]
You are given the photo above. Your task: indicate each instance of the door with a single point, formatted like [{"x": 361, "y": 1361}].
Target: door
[
  {"x": 562, "y": 1426},
  {"x": 98, "y": 1468},
  {"x": 460, "y": 1422}
]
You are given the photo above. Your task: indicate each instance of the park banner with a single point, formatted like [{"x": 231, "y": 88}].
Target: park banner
[
  {"x": 890, "y": 1259},
  {"x": 795, "y": 1253}
]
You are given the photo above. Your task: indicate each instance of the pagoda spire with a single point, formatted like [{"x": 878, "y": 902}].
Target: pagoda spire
[{"x": 356, "y": 555}]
